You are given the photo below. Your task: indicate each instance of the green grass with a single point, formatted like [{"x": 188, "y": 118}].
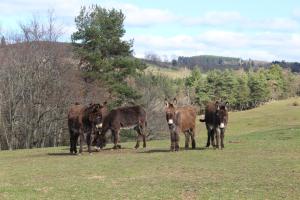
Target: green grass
[
  {"x": 171, "y": 73},
  {"x": 261, "y": 160}
]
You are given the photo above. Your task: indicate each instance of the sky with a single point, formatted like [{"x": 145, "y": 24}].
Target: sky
[{"x": 258, "y": 29}]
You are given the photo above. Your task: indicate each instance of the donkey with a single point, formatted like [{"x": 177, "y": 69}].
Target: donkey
[
  {"x": 180, "y": 119},
  {"x": 83, "y": 119},
  {"x": 123, "y": 118},
  {"x": 216, "y": 119}
]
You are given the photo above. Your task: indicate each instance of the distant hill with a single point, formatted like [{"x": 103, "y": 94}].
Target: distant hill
[{"x": 208, "y": 62}]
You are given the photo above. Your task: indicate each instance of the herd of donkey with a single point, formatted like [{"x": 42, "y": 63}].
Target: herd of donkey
[{"x": 92, "y": 122}]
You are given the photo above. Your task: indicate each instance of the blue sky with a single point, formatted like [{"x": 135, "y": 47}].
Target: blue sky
[{"x": 257, "y": 29}]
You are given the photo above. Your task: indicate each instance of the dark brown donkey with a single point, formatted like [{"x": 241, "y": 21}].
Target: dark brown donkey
[
  {"x": 84, "y": 120},
  {"x": 180, "y": 119},
  {"x": 216, "y": 119},
  {"x": 124, "y": 118}
]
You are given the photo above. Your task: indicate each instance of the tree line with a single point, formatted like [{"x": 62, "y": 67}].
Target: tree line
[{"x": 243, "y": 89}]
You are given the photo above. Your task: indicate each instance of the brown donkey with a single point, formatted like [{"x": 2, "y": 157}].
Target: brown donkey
[
  {"x": 216, "y": 119},
  {"x": 123, "y": 118},
  {"x": 180, "y": 119},
  {"x": 84, "y": 120}
]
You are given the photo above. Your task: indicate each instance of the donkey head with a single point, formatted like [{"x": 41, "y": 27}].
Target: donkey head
[
  {"x": 170, "y": 110},
  {"x": 222, "y": 114},
  {"x": 97, "y": 113}
]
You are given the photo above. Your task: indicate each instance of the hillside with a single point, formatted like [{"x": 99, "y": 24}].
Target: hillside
[
  {"x": 80, "y": 89},
  {"x": 261, "y": 160},
  {"x": 208, "y": 62},
  {"x": 169, "y": 72}
]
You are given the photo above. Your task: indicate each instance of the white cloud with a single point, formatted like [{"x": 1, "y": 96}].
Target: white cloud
[
  {"x": 137, "y": 16},
  {"x": 275, "y": 24},
  {"x": 214, "y": 18},
  {"x": 266, "y": 39},
  {"x": 62, "y": 8},
  {"x": 296, "y": 12},
  {"x": 261, "y": 46},
  {"x": 225, "y": 39}
]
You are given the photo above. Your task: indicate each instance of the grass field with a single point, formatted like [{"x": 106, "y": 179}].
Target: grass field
[
  {"x": 171, "y": 73},
  {"x": 261, "y": 160}
]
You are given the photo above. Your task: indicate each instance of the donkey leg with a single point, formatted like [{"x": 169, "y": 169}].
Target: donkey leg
[
  {"x": 81, "y": 142},
  {"x": 217, "y": 134},
  {"x": 172, "y": 137},
  {"x": 138, "y": 139},
  {"x": 71, "y": 142},
  {"x": 116, "y": 134},
  {"x": 208, "y": 137},
  {"x": 75, "y": 139},
  {"x": 187, "y": 140},
  {"x": 88, "y": 142},
  {"x": 140, "y": 135},
  {"x": 222, "y": 138},
  {"x": 212, "y": 137},
  {"x": 143, "y": 132},
  {"x": 176, "y": 140},
  {"x": 192, "y": 134},
  {"x": 144, "y": 141}
]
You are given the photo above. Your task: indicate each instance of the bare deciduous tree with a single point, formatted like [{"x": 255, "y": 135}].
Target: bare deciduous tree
[{"x": 32, "y": 94}]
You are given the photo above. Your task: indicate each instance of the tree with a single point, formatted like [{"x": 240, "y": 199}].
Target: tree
[
  {"x": 153, "y": 57},
  {"x": 276, "y": 82},
  {"x": 229, "y": 86},
  {"x": 243, "y": 91},
  {"x": 174, "y": 62},
  {"x": 259, "y": 92},
  {"x": 32, "y": 91},
  {"x": 3, "y": 42},
  {"x": 102, "y": 52}
]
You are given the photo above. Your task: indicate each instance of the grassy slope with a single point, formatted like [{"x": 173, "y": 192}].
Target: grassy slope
[
  {"x": 171, "y": 73},
  {"x": 261, "y": 160}
]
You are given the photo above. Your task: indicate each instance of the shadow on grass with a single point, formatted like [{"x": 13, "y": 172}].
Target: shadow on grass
[
  {"x": 61, "y": 154},
  {"x": 127, "y": 150},
  {"x": 161, "y": 150}
]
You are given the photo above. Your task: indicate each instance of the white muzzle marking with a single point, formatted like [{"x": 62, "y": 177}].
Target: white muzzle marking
[
  {"x": 222, "y": 125},
  {"x": 99, "y": 125},
  {"x": 170, "y": 121}
]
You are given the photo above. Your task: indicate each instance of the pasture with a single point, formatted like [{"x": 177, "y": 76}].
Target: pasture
[
  {"x": 261, "y": 160},
  {"x": 168, "y": 72}
]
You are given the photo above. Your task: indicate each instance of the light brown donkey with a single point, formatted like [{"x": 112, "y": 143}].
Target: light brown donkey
[{"x": 180, "y": 119}]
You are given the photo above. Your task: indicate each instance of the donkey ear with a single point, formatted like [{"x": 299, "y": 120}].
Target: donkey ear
[
  {"x": 174, "y": 101},
  {"x": 97, "y": 106},
  {"x": 104, "y": 104},
  {"x": 166, "y": 102},
  {"x": 226, "y": 105},
  {"x": 217, "y": 103}
]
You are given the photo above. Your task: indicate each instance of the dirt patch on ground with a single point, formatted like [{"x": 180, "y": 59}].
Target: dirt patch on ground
[{"x": 189, "y": 195}]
